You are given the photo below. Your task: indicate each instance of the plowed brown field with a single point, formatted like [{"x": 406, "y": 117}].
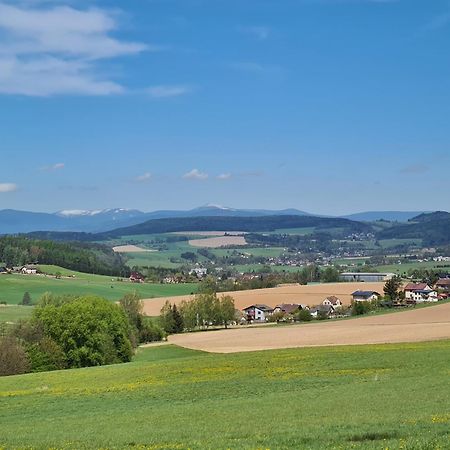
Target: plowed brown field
[{"x": 424, "y": 324}]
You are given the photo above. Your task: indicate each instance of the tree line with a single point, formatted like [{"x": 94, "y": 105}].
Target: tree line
[{"x": 82, "y": 257}]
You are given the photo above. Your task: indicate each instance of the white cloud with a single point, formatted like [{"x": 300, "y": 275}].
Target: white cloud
[
  {"x": 143, "y": 178},
  {"x": 259, "y": 32},
  {"x": 195, "y": 174},
  {"x": 49, "y": 50},
  {"x": 8, "y": 187},
  {"x": 254, "y": 67},
  {"x": 57, "y": 166},
  {"x": 224, "y": 176},
  {"x": 166, "y": 91}
]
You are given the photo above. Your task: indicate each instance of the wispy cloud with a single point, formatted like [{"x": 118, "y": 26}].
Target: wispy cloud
[
  {"x": 57, "y": 166},
  {"x": 168, "y": 91},
  {"x": 414, "y": 169},
  {"x": 254, "y": 67},
  {"x": 144, "y": 178},
  {"x": 258, "y": 32},
  {"x": 195, "y": 174},
  {"x": 8, "y": 187},
  {"x": 438, "y": 22},
  {"x": 57, "y": 49},
  {"x": 224, "y": 176}
]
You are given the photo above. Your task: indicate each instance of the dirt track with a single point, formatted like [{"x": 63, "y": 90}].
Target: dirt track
[
  {"x": 309, "y": 295},
  {"x": 417, "y": 325}
]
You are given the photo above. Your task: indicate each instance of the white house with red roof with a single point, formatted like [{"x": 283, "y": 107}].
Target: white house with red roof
[{"x": 420, "y": 292}]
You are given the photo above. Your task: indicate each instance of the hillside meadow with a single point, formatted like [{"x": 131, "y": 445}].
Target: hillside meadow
[
  {"x": 388, "y": 396},
  {"x": 12, "y": 287}
]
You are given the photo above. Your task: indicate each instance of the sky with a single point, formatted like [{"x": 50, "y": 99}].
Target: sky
[{"x": 328, "y": 106}]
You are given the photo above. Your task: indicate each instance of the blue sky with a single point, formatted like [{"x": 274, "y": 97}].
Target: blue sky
[{"x": 329, "y": 106}]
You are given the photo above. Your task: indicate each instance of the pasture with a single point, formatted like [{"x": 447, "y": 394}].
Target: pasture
[
  {"x": 12, "y": 287},
  {"x": 14, "y": 313},
  {"x": 354, "y": 397}
]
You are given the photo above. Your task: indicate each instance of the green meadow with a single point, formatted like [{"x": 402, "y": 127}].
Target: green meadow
[
  {"x": 12, "y": 287},
  {"x": 355, "y": 397},
  {"x": 14, "y": 313}
]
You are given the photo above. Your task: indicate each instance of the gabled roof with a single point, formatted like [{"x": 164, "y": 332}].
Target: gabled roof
[
  {"x": 415, "y": 286},
  {"x": 260, "y": 307},
  {"x": 323, "y": 308},
  {"x": 364, "y": 293},
  {"x": 289, "y": 308},
  {"x": 443, "y": 282},
  {"x": 333, "y": 299}
]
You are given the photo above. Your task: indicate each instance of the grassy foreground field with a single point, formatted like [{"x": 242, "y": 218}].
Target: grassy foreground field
[
  {"x": 363, "y": 397},
  {"x": 12, "y": 287}
]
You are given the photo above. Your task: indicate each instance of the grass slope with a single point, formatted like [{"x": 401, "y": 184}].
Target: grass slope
[
  {"x": 363, "y": 397},
  {"x": 12, "y": 287},
  {"x": 14, "y": 313}
]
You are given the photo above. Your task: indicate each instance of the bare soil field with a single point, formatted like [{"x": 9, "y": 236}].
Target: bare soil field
[
  {"x": 425, "y": 324},
  {"x": 131, "y": 249},
  {"x": 217, "y": 242},
  {"x": 209, "y": 233},
  {"x": 310, "y": 295}
]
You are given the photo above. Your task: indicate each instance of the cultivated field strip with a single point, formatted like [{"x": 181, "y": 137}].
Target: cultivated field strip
[{"x": 420, "y": 325}]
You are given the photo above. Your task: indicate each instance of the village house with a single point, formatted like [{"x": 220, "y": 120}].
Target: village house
[
  {"x": 443, "y": 284},
  {"x": 333, "y": 301},
  {"x": 29, "y": 269},
  {"x": 288, "y": 308},
  {"x": 420, "y": 292},
  {"x": 322, "y": 310},
  {"x": 258, "y": 313},
  {"x": 137, "y": 277},
  {"x": 199, "y": 272},
  {"x": 365, "y": 296}
]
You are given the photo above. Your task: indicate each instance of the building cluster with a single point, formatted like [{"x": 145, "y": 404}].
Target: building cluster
[{"x": 332, "y": 306}]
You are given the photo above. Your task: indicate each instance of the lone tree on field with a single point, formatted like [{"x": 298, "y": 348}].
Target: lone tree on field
[
  {"x": 26, "y": 299},
  {"x": 392, "y": 288}
]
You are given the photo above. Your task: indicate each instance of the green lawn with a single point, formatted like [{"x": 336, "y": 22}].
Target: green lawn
[
  {"x": 404, "y": 268},
  {"x": 12, "y": 287},
  {"x": 360, "y": 397}
]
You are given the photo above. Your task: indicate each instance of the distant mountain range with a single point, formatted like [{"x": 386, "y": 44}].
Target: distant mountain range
[{"x": 96, "y": 221}]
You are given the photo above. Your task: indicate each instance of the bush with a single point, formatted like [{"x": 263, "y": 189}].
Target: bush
[
  {"x": 90, "y": 330},
  {"x": 13, "y": 358},
  {"x": 304, "y": 315}
]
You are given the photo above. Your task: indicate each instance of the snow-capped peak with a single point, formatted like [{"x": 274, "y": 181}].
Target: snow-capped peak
[{"x": 79, "y": 212}]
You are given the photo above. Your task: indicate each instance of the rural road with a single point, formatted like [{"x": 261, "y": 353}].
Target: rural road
[{"x": 424, "y": 324}]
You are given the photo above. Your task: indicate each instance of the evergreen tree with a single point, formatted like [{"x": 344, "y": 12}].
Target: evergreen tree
[
  {"x": 392, "y": 287},
  {"x": 178, "y": 325},
  {"x": 26, "y": 299}
]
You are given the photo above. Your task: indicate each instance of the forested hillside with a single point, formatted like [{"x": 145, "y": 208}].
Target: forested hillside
[
  {"x": 82, "y": 257},
  {"x": 247, "y": 224}
]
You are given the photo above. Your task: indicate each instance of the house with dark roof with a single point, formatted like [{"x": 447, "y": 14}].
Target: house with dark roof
[
  {"x": 137, "y": 277},
  {"x": 322, "y": 310},
  {"x": 258, "y": 313},
  {"x": 420, "y": 292},
  {"x": 365, "y": 296},
  {"x": 288, "y": 308}
]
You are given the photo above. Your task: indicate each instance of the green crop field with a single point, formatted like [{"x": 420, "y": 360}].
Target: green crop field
[
  {"x": 360, "y": 397},
  {"x": 12, "y": 287}
]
